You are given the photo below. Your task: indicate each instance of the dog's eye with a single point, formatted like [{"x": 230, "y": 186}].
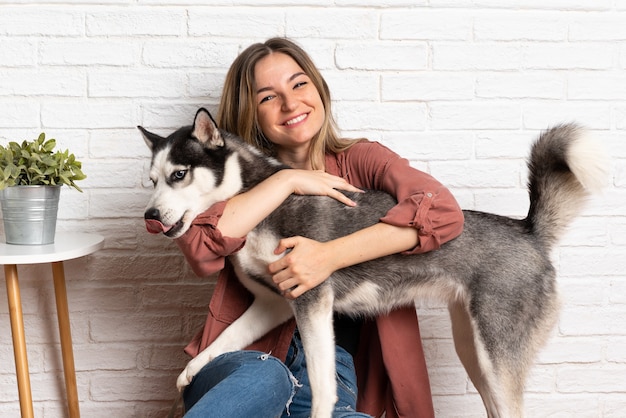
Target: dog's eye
[{"x": 178, "y": 175}]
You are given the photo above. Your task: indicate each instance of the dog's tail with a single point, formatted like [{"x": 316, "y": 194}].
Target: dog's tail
[{"x": 565, "y": 165}]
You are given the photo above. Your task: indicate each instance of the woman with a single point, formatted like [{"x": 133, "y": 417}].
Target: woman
[{"x": 275, "y": 98}]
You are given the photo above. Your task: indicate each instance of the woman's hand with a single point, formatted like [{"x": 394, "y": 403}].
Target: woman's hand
[
  {"x": 310, "y": 262},
  {"x": 307, "y": 265},
  {"x": 319, "y": 183}
]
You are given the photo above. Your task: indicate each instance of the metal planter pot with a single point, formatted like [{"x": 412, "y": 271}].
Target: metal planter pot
[{"x": 30, "y": 214}]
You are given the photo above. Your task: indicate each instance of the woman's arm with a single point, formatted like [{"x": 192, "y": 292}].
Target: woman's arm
[
  {"x": 426, "y": 216},
  {"x": 221, "y": 230},
  {"x": 310, "y": 262},
  {"x": 246, "y": 210}
]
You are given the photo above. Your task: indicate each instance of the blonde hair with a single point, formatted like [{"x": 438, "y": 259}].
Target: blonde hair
[{"x": 237, "y": 112}]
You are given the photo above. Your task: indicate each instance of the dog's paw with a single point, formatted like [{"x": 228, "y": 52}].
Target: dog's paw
[
  {"x": 183, "y": 380},
  {"x": 191, "y": 370}
]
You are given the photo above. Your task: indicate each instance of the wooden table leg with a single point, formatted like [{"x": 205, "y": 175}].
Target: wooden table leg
[
  {"x": 63, "y": 314},
  {"x": 19, "y": 341}
]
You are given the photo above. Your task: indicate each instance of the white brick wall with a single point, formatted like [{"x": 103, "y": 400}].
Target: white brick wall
[{"x": 460, "y": 87}]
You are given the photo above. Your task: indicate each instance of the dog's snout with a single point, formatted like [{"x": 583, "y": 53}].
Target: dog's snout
[{"x": 152, "y": 213}]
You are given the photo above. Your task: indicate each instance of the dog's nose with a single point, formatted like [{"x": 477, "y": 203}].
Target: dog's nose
[
  {"x": 152, "y": 213},
  {"x": 152, "y": 218}
]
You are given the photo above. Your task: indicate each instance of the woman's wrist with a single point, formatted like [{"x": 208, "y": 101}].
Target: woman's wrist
[{"x": 354, "y": 248}]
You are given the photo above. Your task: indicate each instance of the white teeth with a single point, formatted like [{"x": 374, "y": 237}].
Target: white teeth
[{"x": 296, "y": 120}]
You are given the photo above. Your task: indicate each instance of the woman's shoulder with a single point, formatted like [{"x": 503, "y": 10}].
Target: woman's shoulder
[{"x": 368, "y": 150}]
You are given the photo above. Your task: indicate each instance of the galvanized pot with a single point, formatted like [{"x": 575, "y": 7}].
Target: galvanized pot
[{"x": 30, "y": 214}]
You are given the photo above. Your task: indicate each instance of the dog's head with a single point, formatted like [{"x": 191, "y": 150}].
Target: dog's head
[{"x": 187, "y": 171}]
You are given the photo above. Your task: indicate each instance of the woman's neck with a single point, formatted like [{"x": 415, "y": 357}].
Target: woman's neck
[
  {"x": 295, "y": 158},
  {"x": 304, "y": 165}
]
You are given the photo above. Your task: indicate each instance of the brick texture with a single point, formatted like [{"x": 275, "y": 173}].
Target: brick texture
[{"x": 460, "y": 87}]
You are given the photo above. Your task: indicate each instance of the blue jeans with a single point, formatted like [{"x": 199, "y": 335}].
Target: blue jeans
[{"x": 251, "y": 384}]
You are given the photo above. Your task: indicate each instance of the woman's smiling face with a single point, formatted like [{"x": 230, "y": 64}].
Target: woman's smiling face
[{"x": 289, "y": 107}]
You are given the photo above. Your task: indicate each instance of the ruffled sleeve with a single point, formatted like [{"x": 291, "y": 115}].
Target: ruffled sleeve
[
  {"x": 423, "y": 202},
  {"x": 204, "y": 246}
]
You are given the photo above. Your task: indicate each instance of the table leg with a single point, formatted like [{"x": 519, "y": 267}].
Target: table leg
[
  {"x": 19, "y": 341},
  {"x": 63, "y": 314}
]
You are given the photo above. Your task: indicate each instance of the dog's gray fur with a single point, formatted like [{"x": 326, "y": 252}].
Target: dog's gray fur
[{"x": 496, "y": 277}]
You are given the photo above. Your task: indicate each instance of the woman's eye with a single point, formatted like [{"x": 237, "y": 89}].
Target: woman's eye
[
  {"x": 265, "y": 99},
  {"x": 300, "y": 84}
]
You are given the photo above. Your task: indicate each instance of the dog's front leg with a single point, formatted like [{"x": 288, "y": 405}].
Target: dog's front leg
[
  {"x": 314, "y": 315},
  {"x": 266, "y": 312}
]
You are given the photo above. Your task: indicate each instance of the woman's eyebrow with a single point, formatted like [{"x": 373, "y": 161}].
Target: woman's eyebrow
[
  {"x": 293, "y": 77},
  {"x": 296, "y": 75}
]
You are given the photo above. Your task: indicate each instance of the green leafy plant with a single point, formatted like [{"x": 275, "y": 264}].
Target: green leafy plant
[{"x": 36, "y": 163}]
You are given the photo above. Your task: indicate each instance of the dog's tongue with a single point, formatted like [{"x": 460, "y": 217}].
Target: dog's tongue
[{"x": 156, "y": 227}]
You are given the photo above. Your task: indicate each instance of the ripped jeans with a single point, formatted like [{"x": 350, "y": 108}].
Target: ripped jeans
[{"x": 251, "y": 384}]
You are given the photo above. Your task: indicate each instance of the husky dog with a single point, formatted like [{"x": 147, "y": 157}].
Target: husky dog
[{"x": 496, "y": 277}]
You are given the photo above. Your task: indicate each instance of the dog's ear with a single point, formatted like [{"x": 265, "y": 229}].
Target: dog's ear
[
  {"x": 151, "y": 139},
  {"x": 205, "y": 130}
]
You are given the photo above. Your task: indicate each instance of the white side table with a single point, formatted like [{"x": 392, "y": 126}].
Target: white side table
[{"x": 66, "y": 246}]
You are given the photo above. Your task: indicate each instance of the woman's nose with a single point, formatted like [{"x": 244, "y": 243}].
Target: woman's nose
[{"x": 289, "y": 103}]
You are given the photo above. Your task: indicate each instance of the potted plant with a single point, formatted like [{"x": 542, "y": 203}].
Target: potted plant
[{"x": 31, "y": 176}]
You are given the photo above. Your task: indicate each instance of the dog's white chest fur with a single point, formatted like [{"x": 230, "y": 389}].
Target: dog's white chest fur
[{"x": 258, "y": 252}]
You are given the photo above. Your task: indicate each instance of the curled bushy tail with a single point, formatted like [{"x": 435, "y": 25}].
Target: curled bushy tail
[{"x": 565, "y": 165}]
